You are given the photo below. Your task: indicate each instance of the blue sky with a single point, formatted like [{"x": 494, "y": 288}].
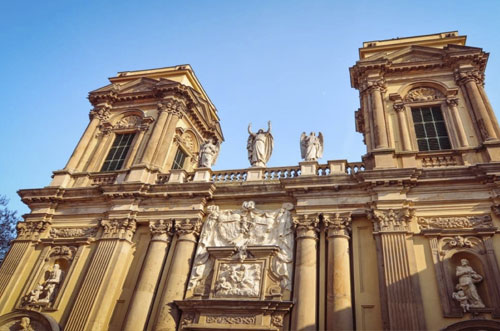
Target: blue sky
[{"x": 284, "y": 61}]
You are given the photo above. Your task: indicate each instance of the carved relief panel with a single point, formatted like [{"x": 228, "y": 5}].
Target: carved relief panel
[{"x": 465, "y": 263}]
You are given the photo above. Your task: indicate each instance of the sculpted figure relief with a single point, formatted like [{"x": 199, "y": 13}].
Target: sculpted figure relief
[
  {"x": 45, "y": 293},
  {"x": 208, "y": 154},
  {"x": 248, "y": 226},
  {"x": 239, "y": 280},
  {"x": 466, "y": 289},
  {"x": 311, "y": 147},
  {"x": 260, "y": 146}
]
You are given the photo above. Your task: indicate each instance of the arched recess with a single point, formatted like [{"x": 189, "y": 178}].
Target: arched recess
[
  {"x": 28, "y": 320},
  {"x": 474, "y": 325},
  {"x": 427, "y": 83}
]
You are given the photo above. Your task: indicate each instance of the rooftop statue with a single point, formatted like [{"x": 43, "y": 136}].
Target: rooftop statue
[
  {"x": 311, "y": 147},
  {"x": 260, "y": 146},
  {"x": 209, "y": 152}
]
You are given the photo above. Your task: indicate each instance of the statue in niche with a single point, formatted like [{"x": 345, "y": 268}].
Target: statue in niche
[
  {"x": 466, "y": 289},
  {"x": 260, "y": 146},
  {"x": 311, "y": 147},
  {"x": 209, "y": 152},
  {"x": 25, "y": 324},
  {"x": 43, "y": 294}
]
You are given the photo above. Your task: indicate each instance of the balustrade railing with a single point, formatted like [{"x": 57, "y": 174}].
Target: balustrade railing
[
  {"x": 281, "y": 172},
  {"x": 354, "y": 167},
  {"x": 229, "y": 176}
]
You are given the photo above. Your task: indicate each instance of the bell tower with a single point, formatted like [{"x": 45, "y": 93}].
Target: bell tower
[
  {"x": 423, "y": 103},
  {"x": 143, "y": 123}
]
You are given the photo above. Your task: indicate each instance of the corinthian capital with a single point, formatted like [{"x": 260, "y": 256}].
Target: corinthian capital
[
  {"x": 119, "y": 228},
  {"x": 31, "y": 230},
  {"x": 172, "y": 106},
  {"x": 101, "y": 112},
  {"x": 188, "y": 226},
  {"x": 462, "y": 77},
  {"x": 306, "y": 225},
  {"x": 160, "y": 229},
  {"x": 337, "y": 224},
  {"x": 390, "y": 220},
  {"x": 374, "y": 84}
]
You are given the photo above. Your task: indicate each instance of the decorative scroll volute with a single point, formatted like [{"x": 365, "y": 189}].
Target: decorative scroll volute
[
  {"x": 160, "y": 229},
  {"x": 119, "y": 228},
  {"x": 337, "y": 224},
  {"x": 32, "y": 230},
  {"x": 391, "y": 220}
]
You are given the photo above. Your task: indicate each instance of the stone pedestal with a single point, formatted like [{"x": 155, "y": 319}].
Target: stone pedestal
[
  {"x": 337, "y": 167},
  {"x": 255, "y": 174},
  {"x": 309, "y": 168},
  {"x": 177, "y": 176},
  {"x": 61, "y": 178},
  {"x": 203, "y": 175}
]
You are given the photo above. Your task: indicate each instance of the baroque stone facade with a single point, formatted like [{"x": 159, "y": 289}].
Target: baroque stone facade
[{"x": 137, "y": 232}]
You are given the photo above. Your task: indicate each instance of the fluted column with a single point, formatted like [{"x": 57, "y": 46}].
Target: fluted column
[
  {"x": 150, "y": 273},
  {"x": 94, "y": 303},
  {"x": 97, "y": 116},
  {"x": 339, "y": 314},
  {"x": 470, "y": 79},
  {"x": 459, "y": 126},
  {"x": 376, "y": 89},
  {"x": 15, "y": 262},
  {"x": 400, "y": 290},
  {"x": 175, "y": 286},
  {"x": 304, "y": 291},
  {"x": 403, "y": 126}
]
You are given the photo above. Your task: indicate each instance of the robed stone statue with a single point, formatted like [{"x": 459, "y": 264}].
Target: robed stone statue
[
  {"x": 260, "y": 146},
  {"x": 311, "y": 146},
  {"x": 208, "y": 154}
]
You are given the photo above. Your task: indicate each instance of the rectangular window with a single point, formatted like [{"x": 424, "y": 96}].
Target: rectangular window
[
  {"x": 430, "y": 129},
  {"x": 118, "y": 152},
  {"x": 180, "y": 156}
]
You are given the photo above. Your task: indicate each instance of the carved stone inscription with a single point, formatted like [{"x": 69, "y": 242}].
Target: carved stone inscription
[
  {"x": 248, "y": 226},
  {"x": 238, "y": 279},
  {"x": 220, "y": 319}
]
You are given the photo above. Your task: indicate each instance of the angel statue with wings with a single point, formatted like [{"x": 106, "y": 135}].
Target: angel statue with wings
[
  {"x": 260, "y": 146},
  {"x": 311, "y": 147},
  {"x": 208, "y": 154}
]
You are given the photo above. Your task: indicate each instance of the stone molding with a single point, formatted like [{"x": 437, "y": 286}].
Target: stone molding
[
  {"x": 63, "y": 252},
  {"x": 123, "y": 228},
  {"x": 337, "y": 224},
  {"x": 392, "y": 220},
  {"x": 188, "y": 227},
  {"x": 462, "y": 77},
  {"x": 452, "y": 102},
  {"x": 102, "y": 113},
  {"x": 32, "y": 230}
]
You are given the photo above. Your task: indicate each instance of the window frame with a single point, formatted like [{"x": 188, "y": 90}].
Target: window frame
[
  {"x": 127, "y": 155},
  {"x": 186, "y": 156},
  {"x": 448, "y": 135}
]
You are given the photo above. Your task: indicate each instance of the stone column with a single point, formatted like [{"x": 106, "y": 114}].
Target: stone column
[
  {"x": 150, "y": 273},
  {"x": 339, "y": 314},
  {"x": 304, "y": 291},
  {"x": 94, "y": 303},
  {"x": 176, "y": 109},
  {"x": 403, "y": 126},
  {"x": 470, "y": 79},
  {"x": 402, "y": 307},
  {"x": 178, "y": 274},
  {"x": 459, "y": 127},
  {"x": 154, "y": 139},
  {"x": 97, "y": 116},
  {"x": 376, "y": 89}
]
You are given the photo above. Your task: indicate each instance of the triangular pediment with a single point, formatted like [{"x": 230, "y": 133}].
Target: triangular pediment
[
  {"x": 411, "y": 54},
  {"x": 138, "y": 85}
]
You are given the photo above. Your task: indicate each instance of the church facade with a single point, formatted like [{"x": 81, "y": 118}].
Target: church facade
[{"x": 137, "y": 232}]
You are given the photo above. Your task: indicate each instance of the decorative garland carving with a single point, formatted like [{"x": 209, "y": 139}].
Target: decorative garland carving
[
  {"x": 392, "y": 220},
  {"x": 129, "y": 122},
  {"x": 459, "y": 243},
  {"x": 461, "y": 222},
  {"x": 119, "y": 228},
  {"x": 73, "y": 232},
  {"x": 423, "y": 94},
  {"x": 63, "y": 252},
  {"x": 32, "y": 229}
]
